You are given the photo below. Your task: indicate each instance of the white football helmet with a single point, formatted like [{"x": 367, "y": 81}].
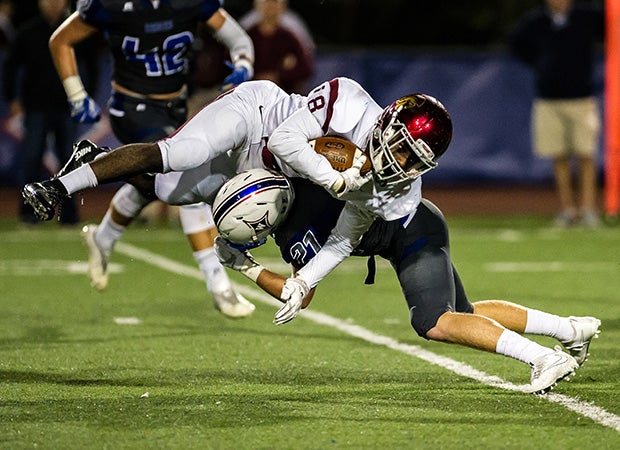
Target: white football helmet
[{"x": 249, "y": 206}]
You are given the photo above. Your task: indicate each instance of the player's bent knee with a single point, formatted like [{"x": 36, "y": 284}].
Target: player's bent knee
[
  {"x": 128, "y": 201},
  {"x": 424, "y": 322},
  {"x": 168, "y": 189}
]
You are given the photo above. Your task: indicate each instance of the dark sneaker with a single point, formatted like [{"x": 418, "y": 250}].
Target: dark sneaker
[
  {"x": 43, "y": 197},
  {"x": 83, "y": 153}
]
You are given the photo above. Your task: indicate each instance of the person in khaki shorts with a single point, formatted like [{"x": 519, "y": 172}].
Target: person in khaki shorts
[
  {"x": 568, "y": 130},
  {"x": 558, "y": 41}
]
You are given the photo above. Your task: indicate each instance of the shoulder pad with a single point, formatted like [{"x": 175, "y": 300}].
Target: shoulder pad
[
  {"x": 93, "y": 12},
  {"x": 350, "y": 105}
]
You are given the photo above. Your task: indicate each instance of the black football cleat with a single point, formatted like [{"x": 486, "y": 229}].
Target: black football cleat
[
  {"x": 83, "y": 153},
  {"x": 43, "y": 197}
]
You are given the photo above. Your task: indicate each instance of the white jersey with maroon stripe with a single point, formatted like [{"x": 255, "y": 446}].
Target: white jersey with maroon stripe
[
  {"x": 258, "y": 115},
  {"x": 339, "y": 107}
]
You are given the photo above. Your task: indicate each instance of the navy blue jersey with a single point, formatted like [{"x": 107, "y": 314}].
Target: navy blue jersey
[
  {"x": 150, "y": 42},
  {"x": 314, "y": 214},
  {"x": 312, "y": 217},
  {"x": 418, "y": 251}
]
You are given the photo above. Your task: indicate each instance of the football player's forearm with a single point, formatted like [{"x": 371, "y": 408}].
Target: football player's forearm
[
  {"x": 64, "y": 60},
  {"x": 272, "y": 283},
  {"x": 227, "y": 31},
  {"x": 290, "y": 142}
]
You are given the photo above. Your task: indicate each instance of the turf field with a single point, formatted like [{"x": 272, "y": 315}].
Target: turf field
[{"x": 151, "y": 364}]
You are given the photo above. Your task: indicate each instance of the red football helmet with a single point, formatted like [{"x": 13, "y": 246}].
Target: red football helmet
[{"x": 408, "y": 138}]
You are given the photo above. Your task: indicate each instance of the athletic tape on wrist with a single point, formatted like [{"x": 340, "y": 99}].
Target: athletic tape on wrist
[
  {"x": 244, "y": 61},
  {"x": 253, "y": 272},
  {"x": 74, "y": 88}
]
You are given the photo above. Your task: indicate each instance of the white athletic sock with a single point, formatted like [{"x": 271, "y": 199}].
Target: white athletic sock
[
  {"x": 539, "y": 322},
  {"x": 515, "y": 346},
  {"x": 81, "y": 178},
  {"x": 215, "y": 275},
  {"x": 108, "y": 232}
]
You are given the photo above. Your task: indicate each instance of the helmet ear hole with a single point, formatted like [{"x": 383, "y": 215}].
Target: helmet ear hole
[{"x": 250, "y": 206}]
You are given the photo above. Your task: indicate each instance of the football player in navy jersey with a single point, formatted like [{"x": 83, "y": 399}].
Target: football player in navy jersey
[
  {"x": 418, "y": 250},
  {"x": 151, "y": 44}
]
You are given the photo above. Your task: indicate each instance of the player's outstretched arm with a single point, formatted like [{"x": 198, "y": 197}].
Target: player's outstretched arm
[
  {"x": 242, "y": 261},
  {"x": 84, "y": 109},
  {"x": 227, "y": 31}
]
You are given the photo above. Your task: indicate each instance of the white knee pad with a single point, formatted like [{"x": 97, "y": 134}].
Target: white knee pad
[
  {"x": 128, "y": 201},
  {"x": 196, "y": 218}
]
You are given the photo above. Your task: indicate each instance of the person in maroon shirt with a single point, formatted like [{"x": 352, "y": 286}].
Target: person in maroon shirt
[{"x": 280, "y": 56}]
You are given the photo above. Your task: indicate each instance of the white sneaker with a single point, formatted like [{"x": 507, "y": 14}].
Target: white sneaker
[
  {"x": 586, "y": 329},
  {"x": 565, "y": 219},
  {"x": 97, "y": 259},
  {"x": 590, "y": 219},
  {"x": 548, "y": 369},
  {"x": 232, "y": 304}
]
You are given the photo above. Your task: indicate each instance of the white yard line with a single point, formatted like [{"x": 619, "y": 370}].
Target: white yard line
[
  {"x": 597, "y": 414},
  {"x": 548, "y": 266}
]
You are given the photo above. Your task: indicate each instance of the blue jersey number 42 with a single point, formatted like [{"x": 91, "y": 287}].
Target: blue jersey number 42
[{"x": 172, "y": 60}]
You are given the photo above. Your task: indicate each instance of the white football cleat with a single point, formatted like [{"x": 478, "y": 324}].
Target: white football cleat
[
  {"x": 97, "y": 259},
  {"x": 586, "y": 329},
  {"x": 548, "y": 369},
  {"x": 232, "y": 304}
]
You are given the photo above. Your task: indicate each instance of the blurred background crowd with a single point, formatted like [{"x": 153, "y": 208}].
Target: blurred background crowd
[{"x": 459, "y": 52}]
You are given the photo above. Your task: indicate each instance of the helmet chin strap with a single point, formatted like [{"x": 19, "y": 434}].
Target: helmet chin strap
[
  {"x": 381, "y": 182},
  {"x": 247, "y": 246}
]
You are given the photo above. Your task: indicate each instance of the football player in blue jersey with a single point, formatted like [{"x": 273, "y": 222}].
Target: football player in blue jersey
[
  {"x": 418, "y": 250},
  {"x": 151, "y": 44}
]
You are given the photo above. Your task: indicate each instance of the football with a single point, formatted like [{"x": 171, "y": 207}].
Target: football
[{"x": 339, "y": 152}]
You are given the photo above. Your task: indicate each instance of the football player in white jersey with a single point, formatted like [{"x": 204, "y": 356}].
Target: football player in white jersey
[
  {"x": 258, "y": 125},
  {"x": 229, "y": 135}
]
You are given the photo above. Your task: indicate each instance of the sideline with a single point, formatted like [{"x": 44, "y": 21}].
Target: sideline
[{"x": 586, "y": 409}]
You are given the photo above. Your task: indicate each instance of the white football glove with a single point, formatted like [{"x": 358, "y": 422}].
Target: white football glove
[
  {"x": 352, "y": 179},
  {"x": 236, "y": 259},
  {"x": 293, "y": 292}
]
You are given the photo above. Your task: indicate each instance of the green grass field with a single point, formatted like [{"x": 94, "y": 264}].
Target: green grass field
[{"x": 151, "y": 364}]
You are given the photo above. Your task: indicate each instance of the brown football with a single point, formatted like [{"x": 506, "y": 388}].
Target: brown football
[{"x": 339, "y": 152}]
